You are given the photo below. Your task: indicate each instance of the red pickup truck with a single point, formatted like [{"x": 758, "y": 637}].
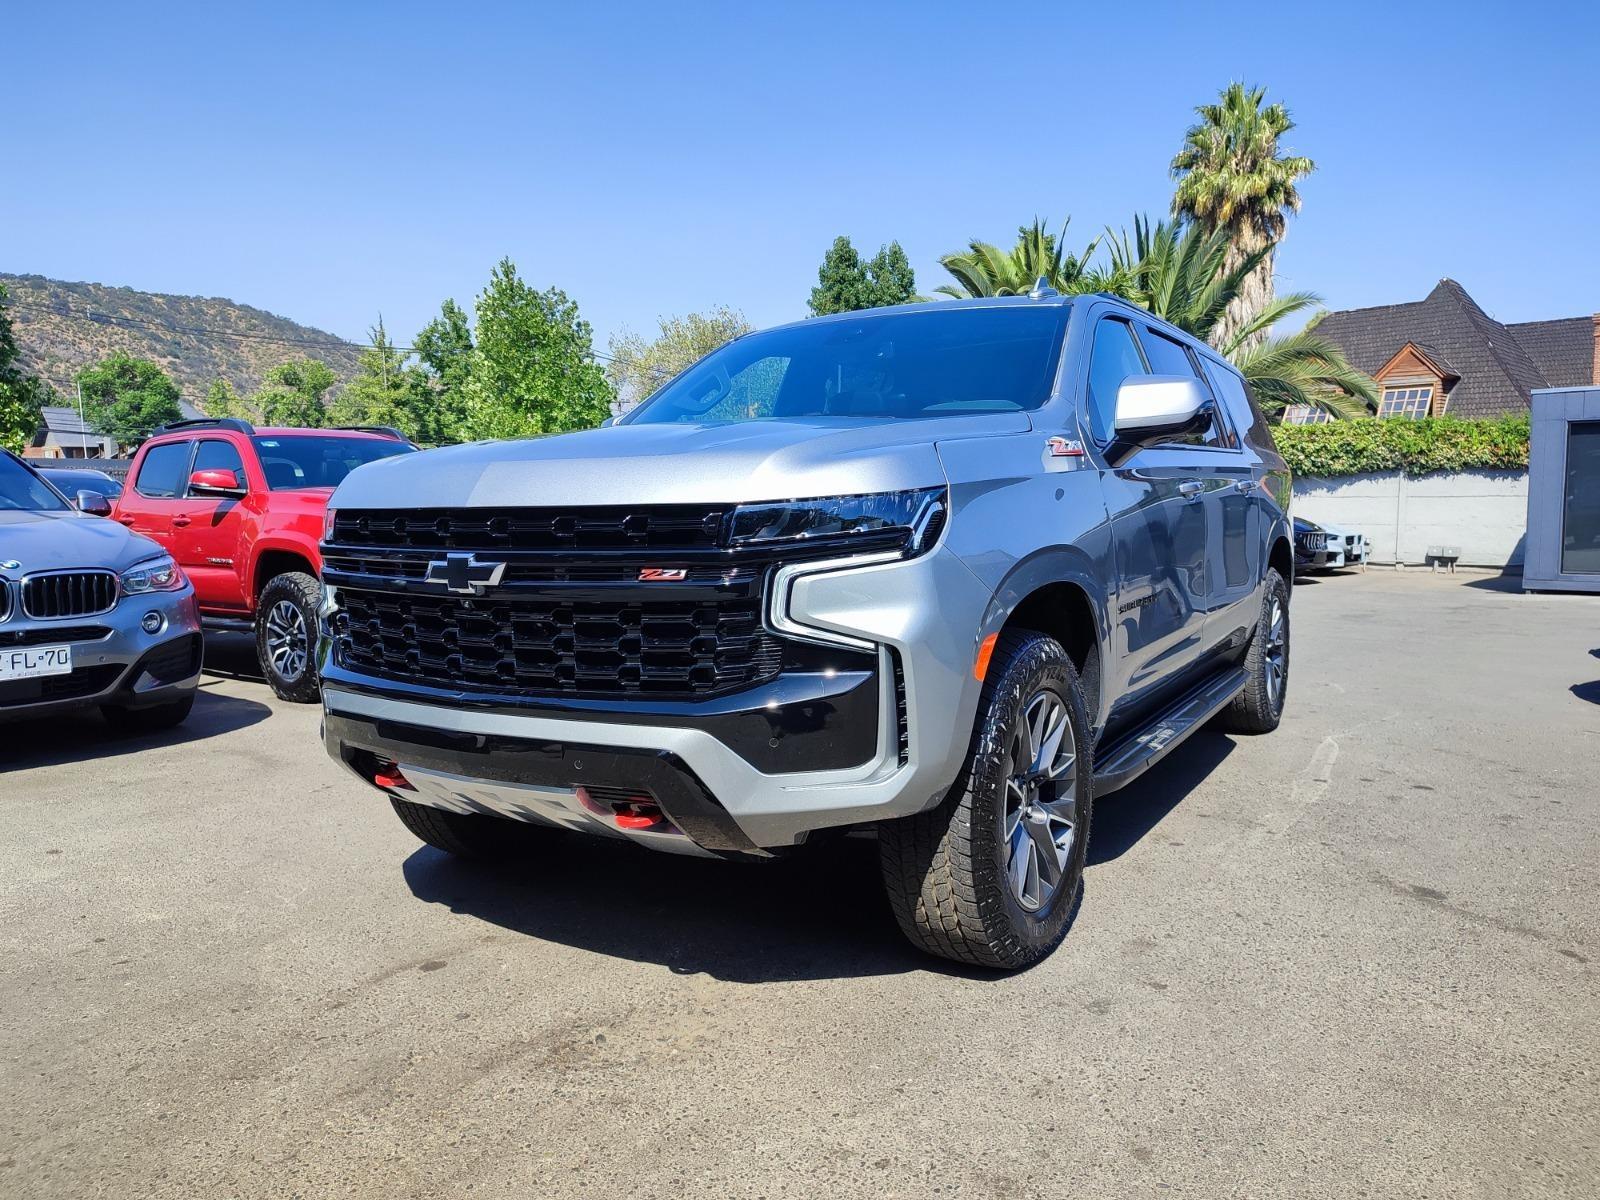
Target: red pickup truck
[{"x": 241, "y": 509}]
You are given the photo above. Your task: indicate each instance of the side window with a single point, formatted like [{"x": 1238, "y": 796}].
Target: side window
[
  {"x": 161, "y": 474},
  {"x": 1168, "y": 357},
  {"x": 1247, "y": 416},
  {"x": 1112, "y": 359},
  {"x": 218, "y": 456}
]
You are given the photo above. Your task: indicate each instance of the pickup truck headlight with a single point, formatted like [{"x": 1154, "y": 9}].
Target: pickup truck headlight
[
  {"x": 152, "y": 575},
  {"x": 906, "y": 520},
  {"x": 328, "y": 515}
]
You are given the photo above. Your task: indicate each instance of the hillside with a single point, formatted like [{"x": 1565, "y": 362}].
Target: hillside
[{"x": 62, "y": 327}]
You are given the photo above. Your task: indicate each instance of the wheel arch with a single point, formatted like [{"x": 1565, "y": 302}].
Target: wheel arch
[
  {"x": 1056, "y": 594},
  {"x": 275, "y": 559}
]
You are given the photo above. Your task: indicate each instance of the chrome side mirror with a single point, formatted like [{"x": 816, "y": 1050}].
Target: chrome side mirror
[{"x": 1150, "y": 405}]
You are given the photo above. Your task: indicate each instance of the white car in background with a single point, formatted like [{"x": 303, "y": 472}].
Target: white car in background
[{"x": 1348, "y": 547}]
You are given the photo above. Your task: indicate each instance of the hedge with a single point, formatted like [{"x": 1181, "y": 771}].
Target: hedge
[{"x": 1415, "y": 447}]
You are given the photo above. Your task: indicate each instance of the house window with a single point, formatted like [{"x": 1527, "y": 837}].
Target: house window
[
  {"x": 1306, "y": 414},
  {"x": 1409, "y": 402}
]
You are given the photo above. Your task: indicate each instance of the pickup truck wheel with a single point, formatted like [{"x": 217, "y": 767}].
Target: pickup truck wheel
[
  {"x": 286, "y": 635},
  {"x": 993, "y": 875},
  {"x": 466, "y": 835},
  {"x": 147, "y": 720},
  {"x": 1259, "y": 708}
]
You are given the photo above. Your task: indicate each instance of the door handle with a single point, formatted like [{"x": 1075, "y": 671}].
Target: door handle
[
  {"x": 179, "y": 522},
  {"x": 128, "y": 521},
  {"x": 1190, "y": 487}
]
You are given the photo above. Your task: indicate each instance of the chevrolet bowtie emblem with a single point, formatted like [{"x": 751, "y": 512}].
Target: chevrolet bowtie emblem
[{"x": 464, "y": 573}]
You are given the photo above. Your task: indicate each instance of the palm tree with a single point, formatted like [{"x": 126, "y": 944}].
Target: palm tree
[
  {"x": 1231, "y": 178},
  {"x": 984, "y": 269},
  {"x": 1182, "y": 274}
]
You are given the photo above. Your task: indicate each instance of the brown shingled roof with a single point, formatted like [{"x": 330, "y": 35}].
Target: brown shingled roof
[{"x": 1497, "y": 368}]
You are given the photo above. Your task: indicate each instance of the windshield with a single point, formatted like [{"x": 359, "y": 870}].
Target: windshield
[
  {"x": 21, "y": 488},
  {"x": 903, "y": 365},
  {"x": 317, "y": 461}
]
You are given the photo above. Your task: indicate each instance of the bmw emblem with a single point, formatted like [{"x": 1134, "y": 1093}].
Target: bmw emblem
[{"x": 10, "y": 564}]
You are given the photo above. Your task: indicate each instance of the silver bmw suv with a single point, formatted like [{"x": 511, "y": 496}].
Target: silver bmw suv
[
  {"x": 90, "y": 613},
  {"x": 947, "y": 573}
]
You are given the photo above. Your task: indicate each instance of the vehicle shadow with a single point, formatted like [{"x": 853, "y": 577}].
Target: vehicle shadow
[
  {"x": 818, "y": 915},
  {"x": 232, "y": 656},
  {"x": 1124, "y": 818},
  {"x": 81, "y": 734},
  {"x": 1587, "y": 691}
]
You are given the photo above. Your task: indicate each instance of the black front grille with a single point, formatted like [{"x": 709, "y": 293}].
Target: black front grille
[
  {"x": 69, "y": 594},
  {"x": 578, "y": 647},
  {"x": 658, "y": 526},
  {"x": 5, "y": 598},
  {"x": 52, "y": 635},
  {"x": 86, "y": 681}
]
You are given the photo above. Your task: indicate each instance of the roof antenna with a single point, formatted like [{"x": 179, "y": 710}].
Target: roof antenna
[{"x": 1042, "y": 290}]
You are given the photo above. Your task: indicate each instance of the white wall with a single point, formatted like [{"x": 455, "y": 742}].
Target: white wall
[{"x": 1485, "y": 513}]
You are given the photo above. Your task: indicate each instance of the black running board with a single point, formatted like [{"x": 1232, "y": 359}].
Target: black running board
[{"x": 1132, "y": 755}]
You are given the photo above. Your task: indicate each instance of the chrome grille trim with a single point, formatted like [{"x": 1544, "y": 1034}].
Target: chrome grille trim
[{"x": 49, "y": 595}]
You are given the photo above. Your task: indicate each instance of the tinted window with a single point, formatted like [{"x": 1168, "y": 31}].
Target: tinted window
[
  {"x": 21, "y": 488},
  {"x": 1580, "y": 507},
  {"x": 218, "y": 456},
  {"x": 1168, "y": 357},
  {"x": 1113, "y": 358},
  {"x": 1242, "y": 408},
  {"x": 161, "y": 473},
  {"x": 899, "y": 365},
  {"x": 319, "y": 460},
  {"x": 73, "y": 482}
]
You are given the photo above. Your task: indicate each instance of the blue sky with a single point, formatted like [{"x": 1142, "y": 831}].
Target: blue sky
[{"x": 328, "y": 162}]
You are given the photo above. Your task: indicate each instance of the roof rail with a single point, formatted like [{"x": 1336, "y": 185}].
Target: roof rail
[
  {"x": 233, "y": 423},
  {"x": 386, "y": 430}
]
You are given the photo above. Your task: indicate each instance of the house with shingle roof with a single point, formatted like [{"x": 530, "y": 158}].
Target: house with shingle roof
[{"x": 1444, "y": 354}]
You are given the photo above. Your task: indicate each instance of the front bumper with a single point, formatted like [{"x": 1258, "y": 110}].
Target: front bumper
[
  {"x": 114, "y": 661},
  {"x": 918, "y": 616}
]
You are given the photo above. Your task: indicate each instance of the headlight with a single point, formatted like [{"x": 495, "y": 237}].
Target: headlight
[
  {"x": 905, "y": 520},
  {"x": 328, "y": 515},
  {"x": 152, "y": 575}
]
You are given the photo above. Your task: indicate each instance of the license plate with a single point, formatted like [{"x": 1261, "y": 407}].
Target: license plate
[{"x": 30, "y": 662}]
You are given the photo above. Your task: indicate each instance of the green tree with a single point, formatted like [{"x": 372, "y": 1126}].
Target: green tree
[
  {"x": 1232, "y": 178},
  {"x": 1189, "y": 277},
  {"x": 222, "y": 400},
  {"x": 382, "y": 391},
  {"x": 533, "y": 370},
  {"x": 444, "y": 360},
  {"x": 124, "y": 398},
  {"x": 845, "y": 283},
  {"x": 22, "y": 396},
  {"x": 294, "y": 394},
  {"x": 639, "y": 367},
  {"x": 984, "y": 269}
]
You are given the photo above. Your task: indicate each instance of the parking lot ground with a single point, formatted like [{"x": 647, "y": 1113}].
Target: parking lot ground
[{"x": 1354, "y": 958}]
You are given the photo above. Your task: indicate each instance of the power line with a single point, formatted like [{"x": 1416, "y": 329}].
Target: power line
[{"x": 328, "y": 343}]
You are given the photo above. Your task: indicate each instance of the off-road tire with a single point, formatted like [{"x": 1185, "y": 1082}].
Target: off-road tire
[
  {"x": 944, "y": 869},
  {"x": 303, "y": 592},
  {"x": 152, "y": 719},
  {"x": 466, "y": 835},
  {"x": 1254, "y": 710}
]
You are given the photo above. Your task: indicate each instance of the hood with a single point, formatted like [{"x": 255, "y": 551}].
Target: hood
[
  {"x": 49, "y": 541},
  {"x": 674, "y": 464}
]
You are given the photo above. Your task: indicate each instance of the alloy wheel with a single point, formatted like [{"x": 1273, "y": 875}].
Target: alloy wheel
[
  {"x": 1040, "y": 822},
  {"x": 1277, "y": 652},
  {"x": 288, "y": 647}
]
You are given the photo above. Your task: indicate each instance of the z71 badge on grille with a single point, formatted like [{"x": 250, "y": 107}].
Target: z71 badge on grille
[{"x": 662, "y": 574}]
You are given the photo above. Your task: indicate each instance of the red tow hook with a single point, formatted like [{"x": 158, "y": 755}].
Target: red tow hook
[
  {"x": 628, "y": 814},
  {"x": 386, "y": 775}
]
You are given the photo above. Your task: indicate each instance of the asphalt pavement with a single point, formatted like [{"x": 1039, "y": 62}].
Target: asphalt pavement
[{"x": 1354, "y": 958}]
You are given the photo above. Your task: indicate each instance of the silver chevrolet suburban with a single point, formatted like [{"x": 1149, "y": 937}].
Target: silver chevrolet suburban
[{"x": 944, "y": 573}]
